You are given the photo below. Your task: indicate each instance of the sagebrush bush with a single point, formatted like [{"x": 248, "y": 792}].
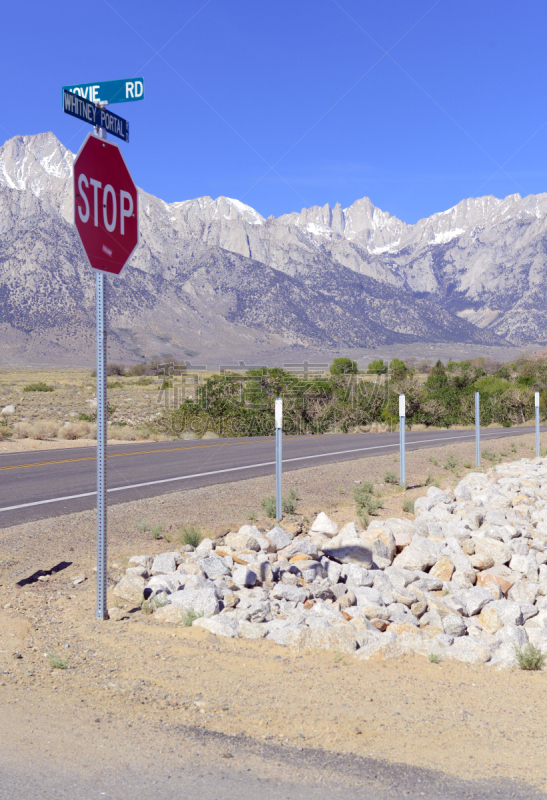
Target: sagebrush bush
[
  {"x": 191, "y": 535},
  {"x": 38, "y": 387},
  {"x": 530, "y": 657},
  {"x": 408, "y": 505},
  {"x": 366, "y": 504}
]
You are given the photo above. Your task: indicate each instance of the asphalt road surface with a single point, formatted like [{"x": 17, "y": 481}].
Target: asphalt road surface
[{"x": 49, "y": 483}]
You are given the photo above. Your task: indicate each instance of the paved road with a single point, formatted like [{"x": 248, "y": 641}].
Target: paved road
[{"x": 53, "y": 482}]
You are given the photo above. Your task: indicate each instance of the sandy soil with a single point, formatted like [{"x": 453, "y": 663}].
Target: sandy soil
[{"x": 468, "y": 721}]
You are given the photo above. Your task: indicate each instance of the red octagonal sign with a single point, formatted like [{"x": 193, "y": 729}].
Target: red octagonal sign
[{"x": 106, "y": 205}]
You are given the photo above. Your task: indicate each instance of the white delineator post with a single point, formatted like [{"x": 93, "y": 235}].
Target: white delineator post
[
  {"x": 101, "y": 610},
  {"x": 278, "y": 456},
  {"x": 477, "y": 429},
  {"x": 402, "y": 423},
  {"x": 536, "y": 402}
]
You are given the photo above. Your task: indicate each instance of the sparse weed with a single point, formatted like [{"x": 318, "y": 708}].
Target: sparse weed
[
  {"x": 530, "y": 657},
  {"x": 56, "y": 662},
  {"x": 252, "y": 516},
  {"x": 445, "y": 592},
  {"x": 433, "y": 658},
  {"x": 142, "y": 526},
  {"x": 190, "y": 534},
  {"x": 432, "y": 481},
  {"x": 408, "y": 506},
  {"x": 365, "y": 502},
  {"x": 268, "y": 504},
  {"x": 114, "y": 385},
  {"x": 513, "y": 448},
  {"x": 490, "y": 456},
  {"x": 468, "y": 465},
  {"x": 451, "y": 464},
  {"x": 156, "y": 531},
  {"x": 434, "y": 461},
  {"x": 391, "y": 477},
  {"x": 188, "y": 617},
  {"x": 289, "y": 502},
  {"x": 154, "y": 602},
  {"x": 168, "y": 538}
]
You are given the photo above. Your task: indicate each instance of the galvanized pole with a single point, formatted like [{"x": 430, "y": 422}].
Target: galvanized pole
[
  {"x": 402, "y": 423},
  {"x": 278, "y": 445},
  {"x": 101, "y": 611},
  {"x": 477, "y": 429},
  {"x": 537, "y": 424}
]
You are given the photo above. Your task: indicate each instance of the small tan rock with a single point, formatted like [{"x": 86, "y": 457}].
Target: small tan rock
[
  {"x": 130, "y": 588},
  {"x": 489, "y": 620},
  {"x": 482, "y": 561},
  {"x": 468, "y": 547},
  {"x": 299, "y": 557},
  {"x": 443, "y": 569},
  {"x": 419, "y": 609}
]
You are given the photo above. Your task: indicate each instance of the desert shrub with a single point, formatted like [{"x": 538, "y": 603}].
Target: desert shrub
[
  {"x": 38, "y": 387},
  {"x": 289, "y": 502},
  {"x": 269, "y": 505},
  {"x": 397, "y": 368},
  {"x": 451, "y": 464},
  {"x": 122, "y": 433},
  {"x": 188, "y": 617},
  {"x": 190, "y": 534},
  {"x": 433, "y": 658},
  {"x": 114, "y": 385},
  {"x": 115, "y": 369},
  {"x": 391, "y": 477},
  {"x": 366, "y": 504},
  {"x": 408, "y": 505},
  {"x": 156, "y": 531},
  {"x": 45, "y": 429},
  {"x": 530, "y": 657},
  {"x": 56, "y": 662},
  {"x": 74, "y": 430},
  {"x": 154, "y": 602}
]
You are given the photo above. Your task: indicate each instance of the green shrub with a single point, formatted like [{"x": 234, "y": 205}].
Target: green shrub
[
  {"x": 191, "y": 535},
  {"x": 343, "y": 366},
  {"x": 269, "y": 506},
  {"x": 377, "y": 367},
  {"x": 366, "y": 504},
  {"x": 187, "y": 618},
  {"x": 530, "y": 657},
  {"x": 451, "y": 464},
  {"x": 114, "y": 385},
  {"x": 154, "y": 602},
  {"x": 252, "y": 516},
  {"x": 142, "y": 526},
  {"x": 56, "y": 662},
  {"x": 432, "y": 481},
  {"x": 391, "y": 477},
  {"x": 156, "y": 531},
  {"x": 408, "y": 506},
  {"x": 289, "y": 502},
  {"x": 38, "y": 387},
  {"x": 434, "y": 658}
]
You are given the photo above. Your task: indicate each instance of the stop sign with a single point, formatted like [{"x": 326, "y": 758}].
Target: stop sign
[{"x": 106, "y": 210}]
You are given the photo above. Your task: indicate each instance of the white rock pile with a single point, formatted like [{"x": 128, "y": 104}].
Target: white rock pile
[{"x": 466, "y": 581}]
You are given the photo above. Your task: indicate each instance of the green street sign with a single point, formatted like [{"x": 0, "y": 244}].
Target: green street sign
[{"x": 125, "y": 91}]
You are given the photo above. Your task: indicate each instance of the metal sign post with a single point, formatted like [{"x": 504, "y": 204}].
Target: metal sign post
[
  {"x": 278, "y": 456},
  {"x": 106, "y": 216},
  {"x": 402, "y": 424},
  {"x": 477, "y": 429},
  {"x": 536, "y": 399},
  {"x": 101, "y": 610}
]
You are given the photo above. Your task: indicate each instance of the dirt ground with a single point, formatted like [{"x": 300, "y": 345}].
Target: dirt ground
[{"x": 473, "y": 722}]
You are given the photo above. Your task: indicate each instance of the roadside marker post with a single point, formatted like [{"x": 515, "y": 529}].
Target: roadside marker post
[
  {"x": 106, "y": 216},
  {"x": 536, "y": 399},
  {"x": 402, "y": 424},
  {"x": 278, "y": 456},
  {"x": 477, "y": 429}
]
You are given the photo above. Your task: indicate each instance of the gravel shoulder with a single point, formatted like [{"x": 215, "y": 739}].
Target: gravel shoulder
[{"x": 143, "y": 679}]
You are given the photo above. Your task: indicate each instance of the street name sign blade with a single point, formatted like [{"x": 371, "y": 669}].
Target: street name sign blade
[
  {"x": 123, "y": 91},
  {"x": 89, "y": 112},
  {"x": 106, "y": 205}
]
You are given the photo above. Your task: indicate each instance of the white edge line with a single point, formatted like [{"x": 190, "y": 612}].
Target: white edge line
[{"x": 235, "y": 469}]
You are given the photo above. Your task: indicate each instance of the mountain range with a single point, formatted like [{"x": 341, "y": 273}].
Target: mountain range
[{"x": 215, "y": 277}]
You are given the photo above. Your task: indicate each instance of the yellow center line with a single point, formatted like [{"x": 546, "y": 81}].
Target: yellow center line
[{"x": 137, "y": 453}]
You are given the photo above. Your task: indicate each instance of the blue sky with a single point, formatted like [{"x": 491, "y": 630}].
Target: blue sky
[{"x": 281, "y": 104}]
